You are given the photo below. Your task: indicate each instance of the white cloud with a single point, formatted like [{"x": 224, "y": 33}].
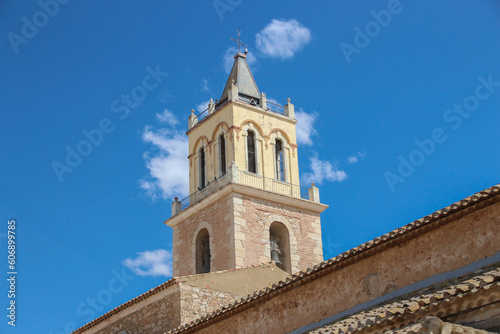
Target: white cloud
[
  {"x": 352, "y": 159},
  {"x": 151, "y": 263},
  {"x": 282, "y": 39},
  {"x": 305, "y": 127},
  {"x": 270, "y": 99},
  {"x": 205, "y": 87},
  {"x": 202, "y": 106},
  {"x": 167, "y": 117},
  {"x": 322, "y": 170},
  {"x": 168, "y": 167},
  {"x": 356, "y": 157},
  {"x": 228, "y": 59}
]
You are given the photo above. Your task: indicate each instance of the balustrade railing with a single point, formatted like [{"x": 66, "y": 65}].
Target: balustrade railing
[
  {"x": 208, "y": 190},
  {"x": 274, "y": 185},
  {"x": 276, "y": 107},
  {"x": 246, "y": 178}
]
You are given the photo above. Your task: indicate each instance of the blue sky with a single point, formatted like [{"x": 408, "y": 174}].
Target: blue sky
[{"x": 398, "y": 108}]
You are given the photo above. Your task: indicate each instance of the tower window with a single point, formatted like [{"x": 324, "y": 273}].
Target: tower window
[
  {"x": 203, "y": 252},
  {"x": 252, "y": 166},
  {"x": 280, "y": 175},
  {"x": 222, "y": 149},
  {"x": 201, "y": 157}
]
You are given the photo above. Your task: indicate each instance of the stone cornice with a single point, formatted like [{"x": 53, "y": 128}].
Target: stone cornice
[{"x": 249, "y": 191}]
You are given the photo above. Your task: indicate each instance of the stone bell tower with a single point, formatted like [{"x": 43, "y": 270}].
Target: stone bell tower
[{"x": 246, "y": 205}]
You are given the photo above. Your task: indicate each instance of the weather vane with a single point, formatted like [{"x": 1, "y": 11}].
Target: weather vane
[{"x": 238, "y": 41}]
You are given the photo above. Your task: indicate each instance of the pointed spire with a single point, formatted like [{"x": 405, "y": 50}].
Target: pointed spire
[{"x": 243, "y": 78}]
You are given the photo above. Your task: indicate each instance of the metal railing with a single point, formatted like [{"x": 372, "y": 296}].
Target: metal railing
[
  {"x": 274, "y": 185},
  {"x": 208, "y": 190},
  {"x": 270, "y": 106},
  {"x": 202, "y": 115},
  {"x": 276, "y": 107},
  {"x": 234, "y": 175}
]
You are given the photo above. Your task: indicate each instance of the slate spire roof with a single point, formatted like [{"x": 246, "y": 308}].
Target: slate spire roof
[{"x": 243, "y": 78}]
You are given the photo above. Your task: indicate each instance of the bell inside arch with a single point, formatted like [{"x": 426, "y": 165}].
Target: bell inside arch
[{"x": 275, "y": 257}]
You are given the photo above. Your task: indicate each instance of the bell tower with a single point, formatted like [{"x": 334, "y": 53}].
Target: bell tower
[{"x": 246, "y": 205}]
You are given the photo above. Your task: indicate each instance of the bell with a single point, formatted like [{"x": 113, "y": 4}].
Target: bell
[
  {"x": 206, "y": 265},
  {"x": 275, "y": 257}
]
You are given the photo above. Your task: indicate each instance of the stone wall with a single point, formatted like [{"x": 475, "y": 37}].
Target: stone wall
[
  {"x": 176, "y": 305},
  {"x": 433, "y": 250},
  {"x": 255, "y": 216},
  {"x": 217, "y": 219},
  {"x": 238, "y": 224},
  {"x": 154, "y": 315},
  {"x": 196, "y": 302},
  {"x": 183, "y": 299}
]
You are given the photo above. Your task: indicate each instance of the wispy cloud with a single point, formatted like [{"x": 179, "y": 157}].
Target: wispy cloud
[
  {"x": 167, "y": 117},
  {"x": 305, "y": 126},
  {"x": 322, "y": 170},
  {"x": 202, "y": 106},
  {"x": 270, "y": 99},
  {"x": 205, "y": 87},
  {"x": 151, "y": 263},
  {"x": 228, "y": 59},
  {"x": 356, "y": 157},
  {"x": 282, "y": 39},
  {"x": 166, "y": 162}
]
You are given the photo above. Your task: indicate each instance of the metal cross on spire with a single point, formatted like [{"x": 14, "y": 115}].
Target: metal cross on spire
[{"x": 238, "y": 41}]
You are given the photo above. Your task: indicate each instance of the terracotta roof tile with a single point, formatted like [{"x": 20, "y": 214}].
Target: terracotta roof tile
[{"x": 417, "y": 300}]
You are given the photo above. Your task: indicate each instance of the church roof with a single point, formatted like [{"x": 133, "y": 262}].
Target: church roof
[
  {"x": 242, "y": 76},
  {"x": 431, "y": 324},
  {"x": 419, "y": 303},
  {"x": 422, "y": 225},
  {"x": 171, "y": 282}
]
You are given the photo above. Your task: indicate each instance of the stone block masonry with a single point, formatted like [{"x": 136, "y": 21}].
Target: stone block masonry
[
  {"x": 238, "y": 220},
  {"x": 183, "y": 299}
]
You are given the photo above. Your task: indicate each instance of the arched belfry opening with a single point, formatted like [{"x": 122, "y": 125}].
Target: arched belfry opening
[
  {"x": 203, "y": 252},
  {"x": 279, "y": 239}
]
